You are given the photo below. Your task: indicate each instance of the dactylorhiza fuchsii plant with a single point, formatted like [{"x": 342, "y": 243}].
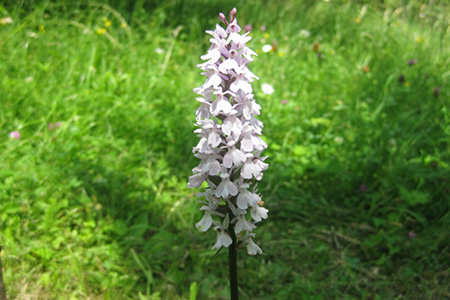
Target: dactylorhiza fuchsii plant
[{"x": 230, "y": 145}]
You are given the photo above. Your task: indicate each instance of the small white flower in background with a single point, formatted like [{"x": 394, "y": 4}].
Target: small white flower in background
[
  {"x": 32, "y": 35},
  {"x": 230, "y": 145},
  {"x": 6, "y": 20},
  {"x": 304, "y": 33},
  {"x": 267, "y": 89},
  {"x": 339, "y": 139},
  {"x": 159, "y": 50},
  {"x": 267, "y": 48}
]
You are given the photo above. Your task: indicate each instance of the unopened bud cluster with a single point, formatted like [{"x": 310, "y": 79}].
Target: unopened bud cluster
[{"x": 230, "y": 145}]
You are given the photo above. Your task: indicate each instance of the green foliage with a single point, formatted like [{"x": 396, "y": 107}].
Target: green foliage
[{"x": 95, "y": 205}]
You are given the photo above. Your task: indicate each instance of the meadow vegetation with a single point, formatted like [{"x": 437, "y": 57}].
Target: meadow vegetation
[{"x": 93, "y": 195}]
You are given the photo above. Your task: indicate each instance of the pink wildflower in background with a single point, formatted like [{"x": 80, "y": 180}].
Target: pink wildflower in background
[
  {"x": 14, "y": 135},
  {"x": 411, "y": 62},
  {"x": 363, "y": 188},
  {"x": 52, "y": 126}
]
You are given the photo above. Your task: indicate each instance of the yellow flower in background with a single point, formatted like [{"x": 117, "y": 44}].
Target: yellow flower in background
[
  {"x": 419, "y": 39},
  {"x": 123, "y": 25},
  {"x": 266, "y": 35},
  {"x": 358, "y": 20},
  {"x": 280, "y": 53},
  {"x": 41, "y": 29},
  {"x": 100, "y": 31},
  {"x": 407, "y": 84},
  {"x": 108, "y": 23}
]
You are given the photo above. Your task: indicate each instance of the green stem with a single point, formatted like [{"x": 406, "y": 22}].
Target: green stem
[
  {"x": 232, "y": 258},
  {"x": 2, "y": 284}
]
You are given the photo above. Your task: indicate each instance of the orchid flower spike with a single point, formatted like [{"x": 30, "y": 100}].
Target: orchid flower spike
[{"x": 230, "y": 143}]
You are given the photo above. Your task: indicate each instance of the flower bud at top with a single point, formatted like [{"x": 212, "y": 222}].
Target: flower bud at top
[
  {"x": 233, "y": 14},
  {"x": 223, "y": 18}
]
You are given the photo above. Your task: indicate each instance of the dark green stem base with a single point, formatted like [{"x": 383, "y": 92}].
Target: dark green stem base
[{"x": 232, "y": 258}]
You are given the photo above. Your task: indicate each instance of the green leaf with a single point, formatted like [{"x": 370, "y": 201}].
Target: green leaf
[
  {"x": 377, "y": 221},
  {"x": 193, "y": 291},
  {"x": 413, "y": 197}
]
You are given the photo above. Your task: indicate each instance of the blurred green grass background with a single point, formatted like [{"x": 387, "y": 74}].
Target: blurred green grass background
[{"x": 95, "y": 204}]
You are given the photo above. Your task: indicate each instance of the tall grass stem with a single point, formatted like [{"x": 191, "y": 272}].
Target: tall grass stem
[{"x": 2, "y": 284}]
